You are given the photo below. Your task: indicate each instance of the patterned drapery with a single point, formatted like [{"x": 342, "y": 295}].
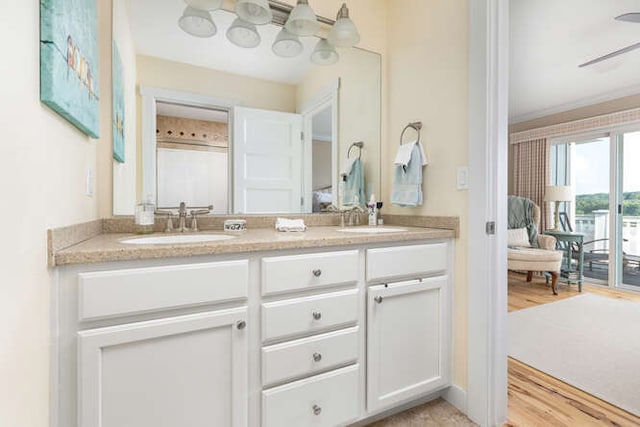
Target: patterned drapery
[{"x": 531, "y": 174}]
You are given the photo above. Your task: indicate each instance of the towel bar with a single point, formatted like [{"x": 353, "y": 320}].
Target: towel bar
[{"x": 413, "y": 125}]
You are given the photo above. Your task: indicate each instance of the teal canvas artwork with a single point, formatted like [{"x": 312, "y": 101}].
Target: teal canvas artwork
[
  {"x": 118, "y": 106},
  {"x": 69, "y": 61}
]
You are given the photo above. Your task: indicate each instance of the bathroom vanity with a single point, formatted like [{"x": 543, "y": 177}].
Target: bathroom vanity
[{"x": 310, "y": 329}]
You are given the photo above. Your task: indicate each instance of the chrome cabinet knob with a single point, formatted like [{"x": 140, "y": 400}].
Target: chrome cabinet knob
[
  {"x": 317, "y": 357},
  {"x": 317, "y": 315},
  {"x": 316, "y": 410},
  {"x": 317, "y": 272},
  {"x": 241, "y": 324},
  {"x": 378, "y": 299}
]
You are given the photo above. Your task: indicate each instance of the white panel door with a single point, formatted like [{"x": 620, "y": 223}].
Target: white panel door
[
  {"x": 407, "y": 341},
  {"x": 267, "y": 148},
  {"x": 182, "y": 371}
]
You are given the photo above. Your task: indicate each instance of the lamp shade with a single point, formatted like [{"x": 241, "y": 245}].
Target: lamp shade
[
  {"x": 197, "y": 22},
  {"x": 287, "y": 45},
  {"x": 558, "y": 193},
  {"x": 256, "y": 12},
  {"x": 208, "y": 5},
  {"x": 302, "y": 20},
  {"x": 243, "y": 34},
  {"x": 344, "y": 32},
  {"x": 324, "y": 53}
]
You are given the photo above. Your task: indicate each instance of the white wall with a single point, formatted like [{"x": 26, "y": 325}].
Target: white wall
[{"x": 43, "y": 166}]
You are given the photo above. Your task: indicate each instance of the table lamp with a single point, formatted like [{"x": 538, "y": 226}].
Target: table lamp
[{"x": 558, "y": 193}]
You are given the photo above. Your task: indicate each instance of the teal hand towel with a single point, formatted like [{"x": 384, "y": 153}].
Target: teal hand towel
[
  {"x": 407, "y": 181},
  {"x": 354, "y": 185}
]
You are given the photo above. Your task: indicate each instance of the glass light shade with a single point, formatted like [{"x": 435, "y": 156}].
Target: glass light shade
[
  {"x": 302, "y": 20},
  {"x": 256, "y": 12},
  {"x": 243, "y": 34},
  {"x": 324, "y": 53},
  {"x": 344, "y": 32},
  {"x": 197, "y": 22},
  {"x": 208, "y": 5},
  {"x": 287, "y": 44}
]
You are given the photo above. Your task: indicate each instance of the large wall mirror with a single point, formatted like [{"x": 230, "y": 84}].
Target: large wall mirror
[{"x": 244, "y": 130}]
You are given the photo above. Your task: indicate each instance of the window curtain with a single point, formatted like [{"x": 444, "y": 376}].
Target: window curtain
[{"x": 531, "y": 170}]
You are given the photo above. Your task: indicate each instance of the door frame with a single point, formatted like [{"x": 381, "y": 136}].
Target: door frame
[
  {"x": 328, "y": 96},
  {"x": 149, "y": 97},
  {"x": 486, "y": 401}
]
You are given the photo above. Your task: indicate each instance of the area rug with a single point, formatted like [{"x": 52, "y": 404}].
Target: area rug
[{"x": 588, "y": 341}]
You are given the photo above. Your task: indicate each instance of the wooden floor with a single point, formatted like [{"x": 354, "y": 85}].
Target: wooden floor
[{"x": 537, "y": 399}]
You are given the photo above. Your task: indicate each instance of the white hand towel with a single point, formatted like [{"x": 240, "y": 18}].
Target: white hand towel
[
  {"x": 403, "y": 156},
  {"x": 285, "y": 224}
]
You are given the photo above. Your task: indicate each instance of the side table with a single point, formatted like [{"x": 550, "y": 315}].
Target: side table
[{"x": 565, "y": 241}]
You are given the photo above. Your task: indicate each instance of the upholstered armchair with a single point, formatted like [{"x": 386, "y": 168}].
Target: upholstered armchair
[{"x": 544, "y": 258}]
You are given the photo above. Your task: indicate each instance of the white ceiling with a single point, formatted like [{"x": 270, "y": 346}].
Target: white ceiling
[
  {"x": 154, "y": 25},
  {"x": 550, "y": 38}
]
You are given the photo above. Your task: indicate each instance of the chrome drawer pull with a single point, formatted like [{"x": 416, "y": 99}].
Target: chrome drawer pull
[
  {"x": 317, "y": 315},
  {"x": 316, "y": 410},
  {"x": 378, "y": 299},
  {"x": 317, "y": 357},
  {"x": 241, "y": 324},
  {"x": 317, "y": 272}
]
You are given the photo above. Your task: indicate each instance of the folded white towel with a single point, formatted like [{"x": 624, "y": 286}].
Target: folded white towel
[
  {"x": 285, "y": 224},
  {"x": 404, "y": 154}
]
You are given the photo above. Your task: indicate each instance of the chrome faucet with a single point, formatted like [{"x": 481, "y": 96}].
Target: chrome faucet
[
  {"x": 347, "y": 215},
  {"x": 356, "y": 210},
  {"x": 182, "y": 217}
]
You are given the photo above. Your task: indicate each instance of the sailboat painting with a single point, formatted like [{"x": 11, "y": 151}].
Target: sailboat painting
[{"x": 69, "y": 61}]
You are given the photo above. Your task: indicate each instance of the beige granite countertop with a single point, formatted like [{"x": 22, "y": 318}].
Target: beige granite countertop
[{"x": 108, "y": 247}]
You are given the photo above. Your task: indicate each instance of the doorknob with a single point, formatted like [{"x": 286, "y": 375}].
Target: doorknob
[{"x": 378, "y": 299}]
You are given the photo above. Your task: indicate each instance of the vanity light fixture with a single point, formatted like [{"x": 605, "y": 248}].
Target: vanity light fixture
[
  {"x": 298, "y": 21},
  {"x": 197, "y": 22},
  {"x": 286, "y": 44},
  {"x": 344, "y": 32},
  {"x": 324, "y": 53},
  {"x": 243, "y": 34},
  {"x": 256, "y": 12},
  {"x": 302, "y": 20}
]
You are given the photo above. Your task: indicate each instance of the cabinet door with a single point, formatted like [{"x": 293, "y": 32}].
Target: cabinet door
[
  {"x": 181, "y": 371},
  {"x": 407, "y": 340}
]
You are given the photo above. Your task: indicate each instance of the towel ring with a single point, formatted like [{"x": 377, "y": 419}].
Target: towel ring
[
  {"x": 413, "y": 125},
  {"x": 358, "y": 145}
]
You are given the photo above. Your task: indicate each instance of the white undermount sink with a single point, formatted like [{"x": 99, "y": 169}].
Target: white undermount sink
[
  {"x": 177, "y": 238},
  {"x": 372, "y": 230}
]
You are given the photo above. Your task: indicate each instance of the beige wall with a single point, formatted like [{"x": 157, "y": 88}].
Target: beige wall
[
  {"x": 42, "y": 181},
  {"x": 620, "y": 104},
  {"x": 427, "y": 68}
]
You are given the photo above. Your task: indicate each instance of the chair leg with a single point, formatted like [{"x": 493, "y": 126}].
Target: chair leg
[
  {"x": 554, "y": 282},
  {"x": 529, "y": 275}
]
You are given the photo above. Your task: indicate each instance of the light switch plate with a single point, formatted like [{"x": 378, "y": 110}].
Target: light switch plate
[{"x": 462, "y": 178}]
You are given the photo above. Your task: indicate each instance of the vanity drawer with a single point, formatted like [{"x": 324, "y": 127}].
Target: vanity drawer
[
  {"x": 296, "y": 272},
  {"x": 406, "y": 261},
  {"x": 294, "y": 359},
  {"x": 299, "y": 316},
  {"x": 329, "y": 400},
  {"x": 137, "y": 290}
]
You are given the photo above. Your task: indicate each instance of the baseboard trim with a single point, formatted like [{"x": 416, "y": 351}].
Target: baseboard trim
[{"x": 456, "y": 396}]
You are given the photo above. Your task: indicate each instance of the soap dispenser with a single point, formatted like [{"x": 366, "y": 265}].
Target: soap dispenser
[
  {"x": 373, "y": 214},
  {"x": 145, "y": 216}
]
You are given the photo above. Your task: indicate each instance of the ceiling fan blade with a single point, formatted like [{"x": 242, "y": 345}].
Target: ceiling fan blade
[
  {"x": 611, "y": 55},
  {"x": 629, "y": 17}
]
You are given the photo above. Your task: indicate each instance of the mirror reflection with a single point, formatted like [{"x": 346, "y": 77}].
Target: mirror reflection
[{"x": 243, "y": 130}]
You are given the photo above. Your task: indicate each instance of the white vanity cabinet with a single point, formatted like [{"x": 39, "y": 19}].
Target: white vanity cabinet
[
  {"x": 408, "y": 326},
  {"x": 314, "y": 337},
  {"x": 153, "y": 345}
]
